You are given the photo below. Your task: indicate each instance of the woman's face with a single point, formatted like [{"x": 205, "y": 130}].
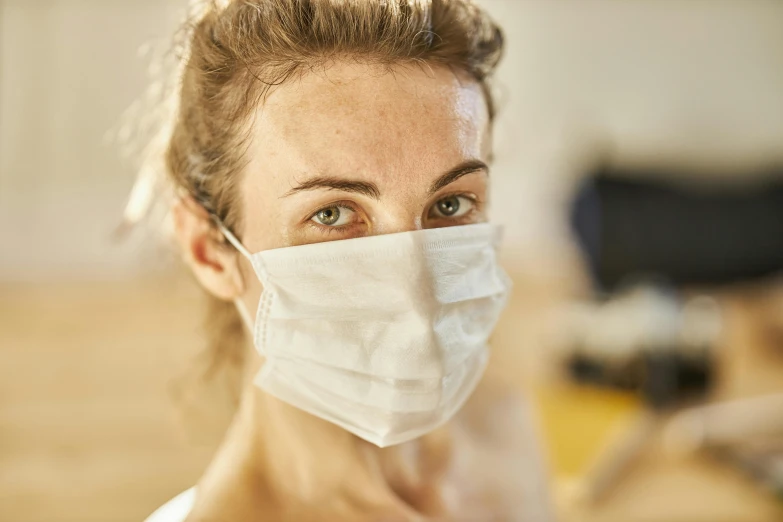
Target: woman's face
[{"x": 360, "y": 150}]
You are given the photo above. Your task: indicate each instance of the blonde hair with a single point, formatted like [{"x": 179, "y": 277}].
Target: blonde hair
[{"x": 236, "y": 50}]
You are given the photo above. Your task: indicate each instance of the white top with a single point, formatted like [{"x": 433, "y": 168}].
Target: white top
[{"x": 176, "y": 509}]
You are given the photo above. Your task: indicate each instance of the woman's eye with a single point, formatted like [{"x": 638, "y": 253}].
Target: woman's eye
[
  {"x": 334, "y": 216},
  {"x": 451, "y": 207}
]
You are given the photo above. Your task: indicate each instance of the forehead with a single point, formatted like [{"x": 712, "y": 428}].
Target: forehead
[{"x": 369, "y": 121}]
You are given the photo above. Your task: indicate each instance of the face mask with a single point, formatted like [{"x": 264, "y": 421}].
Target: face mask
[{"x": 385, "y": 336}]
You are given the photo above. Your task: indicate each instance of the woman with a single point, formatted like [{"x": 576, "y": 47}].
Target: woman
[{"x": 331, "y": 164}]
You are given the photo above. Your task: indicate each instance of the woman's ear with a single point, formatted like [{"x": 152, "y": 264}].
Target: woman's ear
[{"x": 214, "y": 262}]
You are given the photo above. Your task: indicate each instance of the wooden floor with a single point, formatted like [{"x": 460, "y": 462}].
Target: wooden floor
[
  {"x": 102, "y": 417},
  {"x": 89, "y": 426}
]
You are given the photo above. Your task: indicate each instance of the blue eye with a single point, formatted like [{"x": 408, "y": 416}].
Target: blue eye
[
  {"x": 451, "y": 207},
  {"x": 334, "y": 216}
]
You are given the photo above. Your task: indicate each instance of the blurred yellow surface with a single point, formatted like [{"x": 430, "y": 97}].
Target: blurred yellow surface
[
  {"x": 578, "y": 422},
  {"x": 87, "y": 418}
]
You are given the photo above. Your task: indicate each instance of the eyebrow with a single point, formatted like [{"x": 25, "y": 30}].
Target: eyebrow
[
  {"x": 325, "y": 182},
  {"x": 463, "y": 169},
  {"x": 371, "y": 190}
]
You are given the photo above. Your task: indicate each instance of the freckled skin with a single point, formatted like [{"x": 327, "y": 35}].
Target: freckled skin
[{"x": 400, "y": 130}]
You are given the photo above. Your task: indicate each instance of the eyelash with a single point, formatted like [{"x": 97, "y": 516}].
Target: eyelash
[
  {"x": 328, "y": 229},
  {"x": 473, "y": 199}
]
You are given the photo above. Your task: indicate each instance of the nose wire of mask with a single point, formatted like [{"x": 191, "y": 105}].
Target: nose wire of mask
[{"x": 385, "y": 336}]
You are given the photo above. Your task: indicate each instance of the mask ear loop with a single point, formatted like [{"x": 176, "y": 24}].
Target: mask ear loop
[
  {"x": 236, "y": 243},
  {"x": 240, "y": 305}
]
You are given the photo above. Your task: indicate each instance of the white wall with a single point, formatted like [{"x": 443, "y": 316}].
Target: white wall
[
  {"x": 68, "y": 69},
  {"x": 689, "y": 81}
]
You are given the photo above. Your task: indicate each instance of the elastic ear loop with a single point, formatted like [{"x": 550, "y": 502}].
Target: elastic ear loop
[
  {"x": 236, "y": 243},
  {"x": 241, "y": 308}
]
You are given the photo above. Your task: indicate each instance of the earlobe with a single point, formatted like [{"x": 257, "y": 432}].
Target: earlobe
[{"x": 214, "y": 263}]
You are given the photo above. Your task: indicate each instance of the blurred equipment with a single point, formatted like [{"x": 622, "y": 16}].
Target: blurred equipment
[
  {"x": 645, "y": 241},
  {"x": 647, "y": 339}
]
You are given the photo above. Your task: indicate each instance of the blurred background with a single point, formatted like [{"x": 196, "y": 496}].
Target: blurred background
[{"x": 639, "y": 174}]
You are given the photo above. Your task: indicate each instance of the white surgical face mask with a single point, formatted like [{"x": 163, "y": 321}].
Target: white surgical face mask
[{"x": 385, "y": 336}]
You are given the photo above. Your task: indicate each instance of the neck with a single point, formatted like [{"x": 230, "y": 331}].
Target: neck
[{"x": 299, "y": 460}]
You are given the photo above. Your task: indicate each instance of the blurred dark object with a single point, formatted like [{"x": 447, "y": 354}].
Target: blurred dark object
[
  {"x": 629, "y": 223},
  {"x": 663, "y": 378}
]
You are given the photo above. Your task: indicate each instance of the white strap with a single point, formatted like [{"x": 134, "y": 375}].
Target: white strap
[{"x": 233, "y": 239}]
